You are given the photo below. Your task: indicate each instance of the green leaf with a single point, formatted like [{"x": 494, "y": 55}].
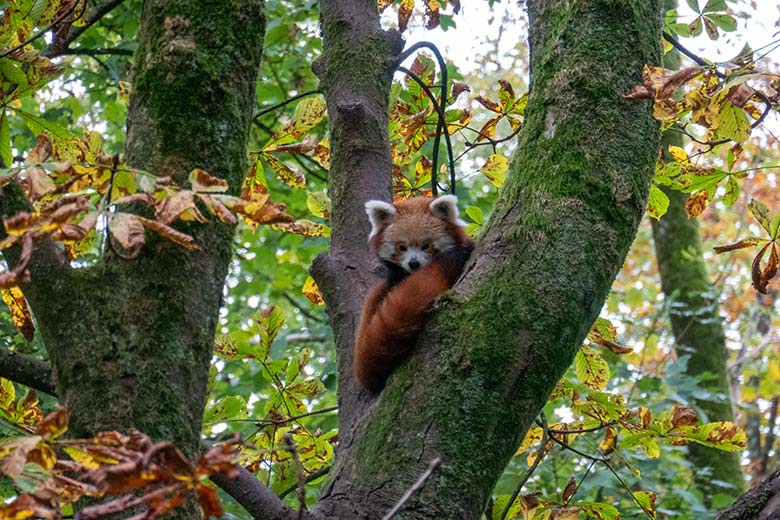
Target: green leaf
[
  {"x": 591, "y": 369},
  {"x": 318, "y": 203},
  {"x": 646, "y": 499},
  {"x": 725, "y": 21},
  {"x": 714, "y": 6},
  {"x": 287, "y": 175},
  {"x": 271, "y": 321},
  {"x": 693, "y": 4},
  {"x": 600, "y": 510},
  {"x": 657, "y": 203},
  {"x": 475, "y": 214},
  {"x": 6, "y": 154},
  {"x": 732, "y": 191},
  {"x": 761, "y": 214},
  {"x": 231, "y": 407}
]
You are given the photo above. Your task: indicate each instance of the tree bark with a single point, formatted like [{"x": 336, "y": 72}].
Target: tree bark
[
  {"x": 561, "y": 228},
  {"x": 130, "y": 340},
  {"x": 760, "y": 503},
  {"x": 697, "y": 327}
]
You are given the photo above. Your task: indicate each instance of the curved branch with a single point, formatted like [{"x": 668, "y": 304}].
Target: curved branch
[
  {"x": 27, "y": 370},
  {"x": 258, "y": 500},
  {"x": 760, "y": 503}
]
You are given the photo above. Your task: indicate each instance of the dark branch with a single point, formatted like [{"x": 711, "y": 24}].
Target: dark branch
[
  {"x": 414, "y": 487},
  {"x": 95, "y": 52},
  {"x": 40, "y": 33},
  {"x": 95, "y": 16},
  {"x": 259, "y": 501},
  {"x": 284, "y": 103},
  {"x": 761, "y": 502},
  {"x": 26, "y": 370}
]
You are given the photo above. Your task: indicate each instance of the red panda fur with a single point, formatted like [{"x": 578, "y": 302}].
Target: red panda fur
[{"x": 394, "y": 311}]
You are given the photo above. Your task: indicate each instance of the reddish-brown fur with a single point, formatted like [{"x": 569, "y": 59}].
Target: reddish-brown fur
[{"x": 394, "y": 315}]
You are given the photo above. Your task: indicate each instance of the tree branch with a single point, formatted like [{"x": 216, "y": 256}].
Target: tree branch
[
  {"x": 58, "y": 48},
  {"x": 26, "y": 370},
  {"x": 258, "y": 500},
  {"x": 760, "y": 503}
]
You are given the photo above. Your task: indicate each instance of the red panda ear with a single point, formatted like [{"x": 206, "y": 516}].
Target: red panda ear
[
  {"x": 380, "y": 214},
  {"x": 446, "y": 208}
]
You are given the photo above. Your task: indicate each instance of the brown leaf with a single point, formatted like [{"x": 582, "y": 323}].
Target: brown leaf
[
  {"x": 38, "y": 183},
  {"x": 457, "y": 89},
  {"x": 29, "y": 506},
  {"x": 312, "y": 292},
  {"x": 740, "y": 244},
  {"x": 684, "y": 416},
  {"x": 404, "y": 13},
  {"x": 218, "y": 209},
  {"x": 740, "y": 94},
  {"x": 761, "y": 278},
  {"x": 128, "y": 231},
  {"x": 432, "y": 14},
  {"x": 40, "y": 152},
  {"x": 304, "y": 227},
  {"x": 20, "y": 313},
  {"x": 207, "y": 498},
  {"x": 696, "y": 203},
  {"x": 180, "y": 205},
  {"x": 204, "y": 182},
  {"x": 609, "y": 443},
  {"x": 569, "y": 490},
  {"x": 19, "y": 448},
  {"x": 54, "y": 424},
  {"x": 490, "y": 105},
  {"x": 171, "y": 234},
  {"x": 660, "y": 83}
]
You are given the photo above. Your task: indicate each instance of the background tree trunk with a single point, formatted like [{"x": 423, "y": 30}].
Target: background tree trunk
[
  {"x": 696, "y": 325},
  {"x": 560, "y": 230}
]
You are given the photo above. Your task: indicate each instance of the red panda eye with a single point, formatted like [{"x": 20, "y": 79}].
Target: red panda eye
[
  {"x": 401, "y": 247},
  {"x": 426, "y": 246}
]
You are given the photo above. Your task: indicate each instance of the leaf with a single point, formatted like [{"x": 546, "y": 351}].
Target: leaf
[
  {"x": 740, "y": 244},
  {"x": 6, "y": 154},
  {"x": 696, "y": 203},
  {"x": 20, "y": 313},
  {"x": 475, "y": 214},
  {"x": 569, "y": 490},
  {"x": 171, "y": 234},
  {"x": 657, "y": 202},
  {"x": 287, "y": 175},
  {"x": 231, "y": 407},
  {"x": 762, "y": 277},
  {"x": 308, "y": 113},
  {"x": 53, "y": 425},
  {"x": 38, "y": 183},
  {"x": 128, "y": 231},
  {"x": 679, "y": 154},
  {"x": 683, "y": 416},
  {"x": 318, "y": 203},
  {"x": 609, "y": 443},
  {"x": 217, "y": 208},
  {"x": 202, "y": 181},
  {"x": 312, "y": 292},
  {"x": 600, "y": 510},
  {"x": 592, "y": 371},
  {"x": 660, "y": 84},
  {"x": 646, "y": 500},
  {"x": 304, "y": 227},
  {"x": 714, "y": 6},
  {"x": 532, "y": 436},
  {"x": 179, "y": 205},
  {"x": 495, "y": 169},
  {"x": 271, "y": 320},
  {"x": 761, "y": 214},
  {"x": 490, "y": 105},
  {"x": 404, "y": 14},
  {"x": 321, "y": 153}
]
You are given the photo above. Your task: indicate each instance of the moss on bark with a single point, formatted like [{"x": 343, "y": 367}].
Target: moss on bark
[
  {"x": 557, "y": 237},
  {"x": 130, "y": 340}
]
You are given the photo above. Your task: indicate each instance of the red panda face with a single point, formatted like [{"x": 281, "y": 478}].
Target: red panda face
[{"x": 410, "y": 233}]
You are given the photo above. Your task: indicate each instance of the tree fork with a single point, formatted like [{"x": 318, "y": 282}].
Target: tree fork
[{"x": 558, "y": 235}]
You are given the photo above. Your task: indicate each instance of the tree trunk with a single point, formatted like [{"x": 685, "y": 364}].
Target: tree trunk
[
  {"x": 560, "y": 231},
  {"x": 697, "y": 327},
  {"x": 130, "y": 340}
]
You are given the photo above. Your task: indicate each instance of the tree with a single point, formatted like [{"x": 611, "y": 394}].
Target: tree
[{"x": 495, "y": 347}]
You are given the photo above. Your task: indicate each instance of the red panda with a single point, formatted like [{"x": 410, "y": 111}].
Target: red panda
[{"x": 422, "y": 243}]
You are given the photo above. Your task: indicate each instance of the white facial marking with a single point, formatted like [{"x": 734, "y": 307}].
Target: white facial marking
[{"x": 414, "y": 258}]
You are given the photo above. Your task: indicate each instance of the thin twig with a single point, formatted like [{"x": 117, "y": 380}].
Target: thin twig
[
  {"x": 296, "y": 417},
  {"x": 409, "y": 492},
  {"x": 95, "y": 52},
  {"x": 94, "y": 17},
  {"x": 285, "y": 103}
]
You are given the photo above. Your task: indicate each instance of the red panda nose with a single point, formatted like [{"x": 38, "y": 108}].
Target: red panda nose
[{"x": 414, "y": 265}]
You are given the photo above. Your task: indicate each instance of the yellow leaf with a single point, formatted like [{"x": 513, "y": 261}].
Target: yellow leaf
[
  {"x": 679, "y": 154},
  {"x": 312, "y": 292},
  {"x": 495, "y": 169},
  {"x": 20, "y": 313}
]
